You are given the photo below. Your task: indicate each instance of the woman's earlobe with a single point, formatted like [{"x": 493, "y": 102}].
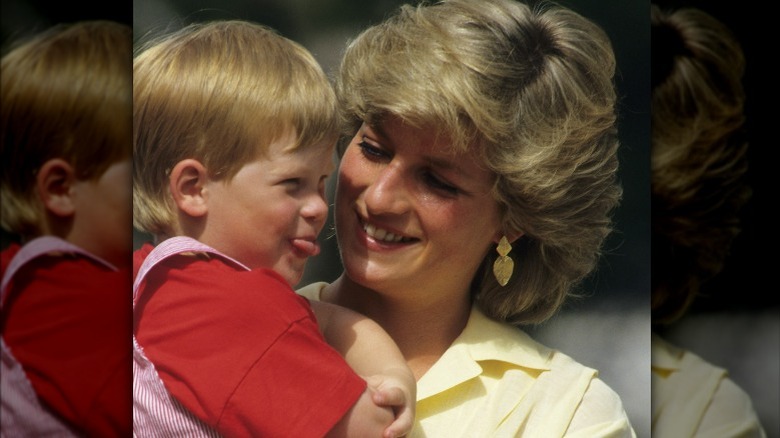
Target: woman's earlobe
[
  {"x": 54, "y": 183},
  {"x": 511, "y": 237},
  {"x": 514, "y": 236},
  {"x": 187, "y": 181}
]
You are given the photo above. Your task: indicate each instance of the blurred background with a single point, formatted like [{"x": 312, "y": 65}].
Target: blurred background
[
  {"x": 22, "y": 18},
  {"x": 26, "y": 17},
  {"x": 735, "y": 322}
]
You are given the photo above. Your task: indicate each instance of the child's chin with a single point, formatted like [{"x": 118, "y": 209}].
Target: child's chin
[{"x": 293, "y": 276}]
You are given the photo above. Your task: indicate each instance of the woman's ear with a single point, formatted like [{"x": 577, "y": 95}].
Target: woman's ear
[
  {"x": 510, "y": 236},
  {"x": 513, "y": 236},
  {"x": 187, "y": 184},
  {"x": 54, "y": 183}
]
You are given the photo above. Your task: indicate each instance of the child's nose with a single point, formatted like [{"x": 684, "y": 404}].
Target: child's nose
[{"x": 316, "y": 208}]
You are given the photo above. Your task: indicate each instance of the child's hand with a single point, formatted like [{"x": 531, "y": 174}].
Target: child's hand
[{"x": 397, "y": 390}]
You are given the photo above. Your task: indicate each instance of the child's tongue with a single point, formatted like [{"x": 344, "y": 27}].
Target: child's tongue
[{"x": 308, "y": 248}]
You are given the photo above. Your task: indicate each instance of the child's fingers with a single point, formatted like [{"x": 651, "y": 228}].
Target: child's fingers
[
  {"x": 393, "y": 396},
  {"x": 403, "y": 419},
  {"x": 391, "y": 433},
  {"x": 403, "y": 408},
  {"x": 400, "y": 427}
]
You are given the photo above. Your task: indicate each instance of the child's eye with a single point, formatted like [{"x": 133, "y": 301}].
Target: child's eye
[{"x": 291, "y": 182}]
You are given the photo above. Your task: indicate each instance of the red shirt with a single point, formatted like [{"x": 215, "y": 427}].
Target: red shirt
[
  {"x": 240, "y": 349},
  {"x": 67, "y": 320}
]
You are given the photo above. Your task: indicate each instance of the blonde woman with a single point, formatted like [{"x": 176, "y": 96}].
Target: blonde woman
[{"x": 474, "y": 193}]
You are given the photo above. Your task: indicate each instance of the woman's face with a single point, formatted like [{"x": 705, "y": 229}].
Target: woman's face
[{"x": 410, "y": 213}]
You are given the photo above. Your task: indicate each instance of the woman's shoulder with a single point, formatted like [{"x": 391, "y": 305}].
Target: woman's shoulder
[
  {"x": 312, "y": 291},
  {"x": 558, "y": 372},
  {"x": 601, "y": 413},
  {"x": 560, "y": 396},
  {"x": 599, "y": 409},
  {"x": 493, "y": 340}
]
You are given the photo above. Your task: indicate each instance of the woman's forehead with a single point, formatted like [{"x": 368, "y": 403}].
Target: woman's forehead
[
  {"x": 432, "y": 146},
  {"x": 433, "y": 137}
]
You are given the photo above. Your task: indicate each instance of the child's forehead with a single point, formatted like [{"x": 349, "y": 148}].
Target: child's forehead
[
  {"x": 286, "y": 154},
  {"x": 262, "y": 175},
  {"x": 290, "y": 143}
]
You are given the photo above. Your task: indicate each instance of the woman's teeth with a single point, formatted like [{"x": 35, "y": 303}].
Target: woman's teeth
[{"x": 383, "y": 235}]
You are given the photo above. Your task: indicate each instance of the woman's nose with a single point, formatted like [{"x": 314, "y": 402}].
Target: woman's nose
[{"x": 388, "y": 193}]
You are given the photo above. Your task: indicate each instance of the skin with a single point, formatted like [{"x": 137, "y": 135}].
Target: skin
[
  {"x": 94, "y": 214},
  {"x": 276, "y": 202},
  {"x": 106, "y": 207},
  {"x": 403, "y": 180}
]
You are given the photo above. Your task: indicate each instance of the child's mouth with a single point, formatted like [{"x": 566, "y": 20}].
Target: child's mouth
[{"x": 305, "y": 247}]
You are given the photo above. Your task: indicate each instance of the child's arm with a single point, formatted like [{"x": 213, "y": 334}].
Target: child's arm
[{"x": 370, "y": 351}]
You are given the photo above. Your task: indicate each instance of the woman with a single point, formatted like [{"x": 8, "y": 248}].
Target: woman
[{"x": 474, "y": 195}]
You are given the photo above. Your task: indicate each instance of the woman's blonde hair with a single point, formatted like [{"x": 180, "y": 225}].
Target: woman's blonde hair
[
  {"x": 65, "y": 94},
  {"x": 220, "y": 92},
  {"x": 532, "y": 90},
  {"x": 698, "y": 154}
]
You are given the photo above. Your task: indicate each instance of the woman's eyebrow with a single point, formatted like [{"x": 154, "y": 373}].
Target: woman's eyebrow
[
  {"x": 432, "y": 160},
  {"x": 444, "y": 164},
  {"x": 378, "y": 132}
]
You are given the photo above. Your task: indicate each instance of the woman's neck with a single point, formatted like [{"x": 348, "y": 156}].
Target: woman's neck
[{"x": 423, "y": 332}]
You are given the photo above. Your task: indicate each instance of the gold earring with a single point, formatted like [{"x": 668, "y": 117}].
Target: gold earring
[{"x": 503, "y": 266}]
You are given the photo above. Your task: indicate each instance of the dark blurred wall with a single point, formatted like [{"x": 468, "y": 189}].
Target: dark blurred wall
[
  {"x": 750, "y": 269},
  {"x": 24, "y": 17}
]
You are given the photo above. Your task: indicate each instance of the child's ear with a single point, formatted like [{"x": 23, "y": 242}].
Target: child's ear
[
  {"x": 54, "y": 183},
  {"x": 187, "y": 184}
]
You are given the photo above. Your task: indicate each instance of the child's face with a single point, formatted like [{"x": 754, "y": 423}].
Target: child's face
[{"x": 270, "y": 213}]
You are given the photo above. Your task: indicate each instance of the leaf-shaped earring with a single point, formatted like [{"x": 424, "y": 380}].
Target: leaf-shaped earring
[{"x": 504, "y": 265}]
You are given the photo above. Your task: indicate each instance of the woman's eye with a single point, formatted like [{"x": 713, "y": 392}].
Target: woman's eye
[
  {"x": 372, "y": 151},
  {"x": 434, "y": 182}
]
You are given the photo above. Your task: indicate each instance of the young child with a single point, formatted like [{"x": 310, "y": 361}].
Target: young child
[
  {"x": 66, "y": 130},
  {"x": 234, "y": 128}
]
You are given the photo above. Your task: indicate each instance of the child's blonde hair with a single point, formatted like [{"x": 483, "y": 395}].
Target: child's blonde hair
[
  {"x": 65, "y": 94},
  {"x": 221, "y": 93}
]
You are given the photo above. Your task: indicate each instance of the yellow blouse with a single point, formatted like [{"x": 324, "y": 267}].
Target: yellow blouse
[{"x": 495, "y": 381}]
